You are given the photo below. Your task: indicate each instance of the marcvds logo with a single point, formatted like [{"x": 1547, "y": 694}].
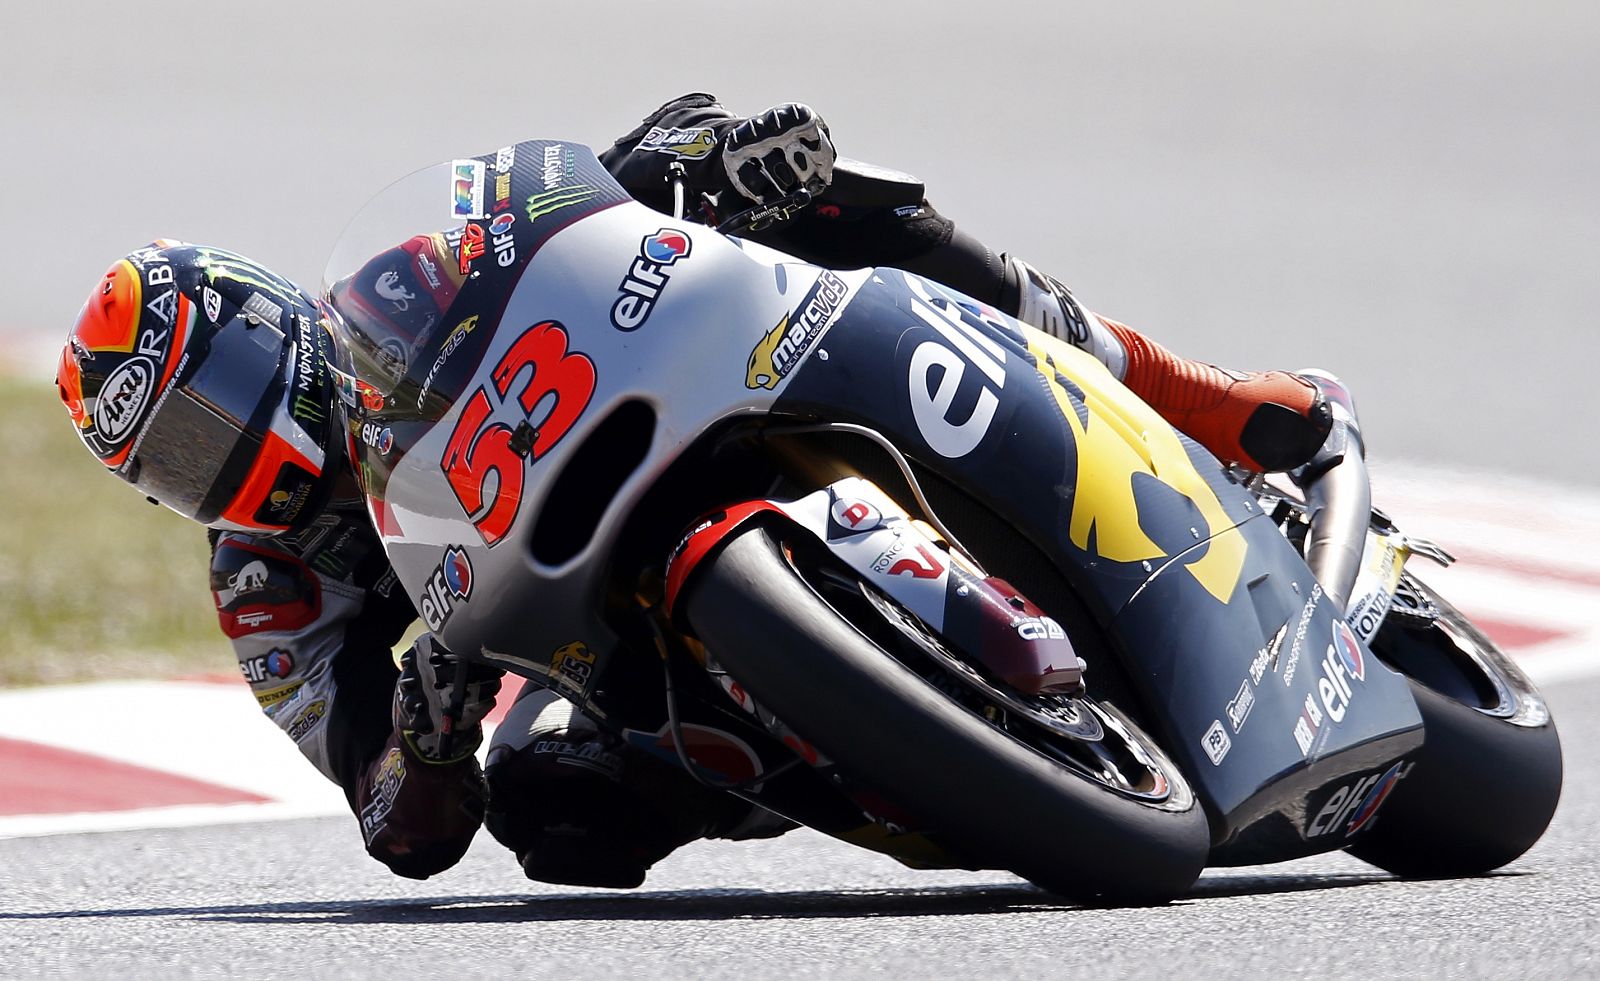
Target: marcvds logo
[{"x": 647, "y": 277}]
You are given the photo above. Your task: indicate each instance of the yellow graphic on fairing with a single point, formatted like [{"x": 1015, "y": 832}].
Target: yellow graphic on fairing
[
  {"x": 762, "y": 371},
  {"x": 1124, "y": 436}
]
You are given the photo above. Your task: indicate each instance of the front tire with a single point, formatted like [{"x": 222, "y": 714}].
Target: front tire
[
  {"x": 1486, "y": 781},
  {"x": 995, "y": 799}
]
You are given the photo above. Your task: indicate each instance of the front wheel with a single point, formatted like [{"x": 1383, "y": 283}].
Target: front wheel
[
  {"x": 1095, "y": 811},
  {"x": 1486, "y": 781}
]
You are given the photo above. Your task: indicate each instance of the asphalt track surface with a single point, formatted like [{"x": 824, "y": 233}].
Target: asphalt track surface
[{"x": 299, "y": 899}]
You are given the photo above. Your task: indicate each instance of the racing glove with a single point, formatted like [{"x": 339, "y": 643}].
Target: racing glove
[
  {"x": 440, "y": 701},
  {"x": 770, "y": 154},
  {"x": 418, "y": 816}
]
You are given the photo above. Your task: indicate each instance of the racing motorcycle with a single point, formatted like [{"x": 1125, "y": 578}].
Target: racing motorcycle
[{"x": 884, "y": 560}]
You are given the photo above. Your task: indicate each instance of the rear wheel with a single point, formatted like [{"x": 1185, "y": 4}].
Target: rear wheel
[
  {"x": 1065, "y": 792},
  {"x": 1486, "y": 782}
]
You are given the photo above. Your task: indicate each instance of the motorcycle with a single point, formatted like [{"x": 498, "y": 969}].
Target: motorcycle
[{"x": 886, "y": 561}]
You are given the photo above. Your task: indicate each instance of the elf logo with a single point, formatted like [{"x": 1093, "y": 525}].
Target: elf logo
[
  {"x": 647, "y": 277},
  {"x": 450, "y": 583},
  {"x": 1353, "y": 806}
]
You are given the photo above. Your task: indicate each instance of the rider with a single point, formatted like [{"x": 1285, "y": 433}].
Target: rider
[{"x": 203, "y": 379}]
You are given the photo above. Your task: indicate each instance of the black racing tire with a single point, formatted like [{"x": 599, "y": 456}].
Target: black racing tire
[
  {"x": 995, "y": 799},
  {"x": 1487, "y": 779}
]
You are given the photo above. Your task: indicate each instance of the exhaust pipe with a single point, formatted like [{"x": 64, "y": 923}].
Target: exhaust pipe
[{"x": 1338, "y": 494}]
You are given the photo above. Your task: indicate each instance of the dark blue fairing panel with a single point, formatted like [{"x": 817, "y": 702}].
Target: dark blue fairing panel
[{"x": 1171, "y": 556}]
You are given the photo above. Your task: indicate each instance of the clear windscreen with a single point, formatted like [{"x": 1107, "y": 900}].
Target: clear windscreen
[
  {"x": 398, "y": 268},
  {"x": 417, "y": 279}
]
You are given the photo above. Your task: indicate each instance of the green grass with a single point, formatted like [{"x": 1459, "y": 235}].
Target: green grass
[{"x": 97, "y": 583}]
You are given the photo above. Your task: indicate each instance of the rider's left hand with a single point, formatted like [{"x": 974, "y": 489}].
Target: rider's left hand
[
  {"x": 426, "y": 693},
  {"x": 770, "y": 154}
]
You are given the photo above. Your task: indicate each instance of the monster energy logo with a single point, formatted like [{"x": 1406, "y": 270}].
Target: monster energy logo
[
  {"x": 543, "y": 204},
  {"x": 224, "y": 265},
  {"x": 329, "y": 564},
  {"x": 307, "y": 408}
]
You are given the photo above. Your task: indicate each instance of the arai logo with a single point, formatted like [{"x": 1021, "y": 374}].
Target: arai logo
[{"x": 122, "y": 398}]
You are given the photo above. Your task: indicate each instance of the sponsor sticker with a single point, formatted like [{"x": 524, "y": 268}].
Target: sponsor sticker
[
  {"x": 855, "y": 516},
  {"x": 457, "y": 335},
  {"x": 466, "y": 189},
  {"x": 386, "y": 782},
  {"x": 470, "y": 249},
  {"x": 164, "y": 306},
  {"x": 274, "y": 664},
  {"x": 1292, "y": 662},
  {"x": 783, "y": 347},
  {"x": 1307, "y": 725},
  {"x": 1354, "y": 805},
  {"x": 1349, "y": 650},
  {"x": 450, "y": 583},
  {"x": 586, "y": 755},
  {"x": 572, "y": 665},
  {"x": 212, "y": 301},
  {"x": 1380, "y": 791},
  {"x": 687, "y": 143},
  {"x": 1216, "y": 742},
  {"x": 123, "y": 397},
  {"x": 952, "y": 404},
  {"x": 551, "y": 201},
  {"x": 307, "y": 720},
  {"x": 258, "y": 589},
  {"x": 1240, "y": 705},
  {"x": 429, "y": 270},
  {"x": 1039, "y": 628},
  {"x": 273, "y": 699},
  {"x": 647, "y": 277},
  {"x": 379, "y": 437},
  {"x": 1335, "y": 673},
  {"x": 557, "y": 166}
]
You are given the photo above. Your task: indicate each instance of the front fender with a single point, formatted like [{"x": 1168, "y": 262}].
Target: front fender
[{"x": 866, "y": 530}]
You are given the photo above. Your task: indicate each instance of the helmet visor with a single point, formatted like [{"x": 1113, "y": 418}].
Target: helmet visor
[{"x": 203, "y": 437}]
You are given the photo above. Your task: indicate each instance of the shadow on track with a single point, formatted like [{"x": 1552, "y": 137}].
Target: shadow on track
[{"x": 701, "y": 904}]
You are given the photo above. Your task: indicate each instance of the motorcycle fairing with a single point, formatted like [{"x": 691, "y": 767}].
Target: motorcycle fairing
[
  {"x": 687, "y": 363},
  {"x": 1175, "y": 559}
]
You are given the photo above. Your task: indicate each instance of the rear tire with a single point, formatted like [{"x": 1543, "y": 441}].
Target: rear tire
[
  {"x": 1486, "y": 782},
  {"x": 995, "y": 799}
]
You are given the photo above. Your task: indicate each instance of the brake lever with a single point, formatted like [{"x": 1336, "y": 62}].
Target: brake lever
[{"x": 763, "y": 215}]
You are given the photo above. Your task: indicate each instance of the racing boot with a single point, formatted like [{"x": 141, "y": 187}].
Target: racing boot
[
  {"x": 1262, "y": 420},
  {"x": 580, "y": 807}
]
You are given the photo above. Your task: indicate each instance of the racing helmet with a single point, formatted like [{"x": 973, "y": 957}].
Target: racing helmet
[{"x": 203, "y": 379}]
